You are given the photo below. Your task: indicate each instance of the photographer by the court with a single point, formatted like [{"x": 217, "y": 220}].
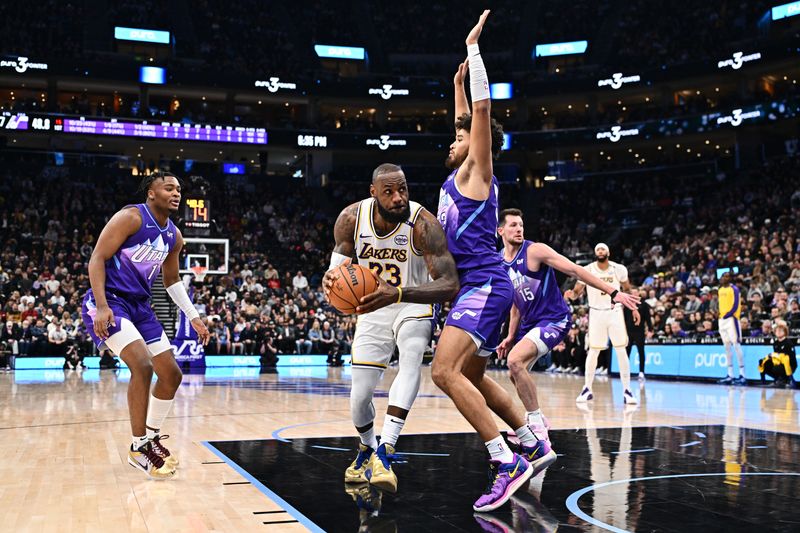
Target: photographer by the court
[{"x": 782, "y": 362}]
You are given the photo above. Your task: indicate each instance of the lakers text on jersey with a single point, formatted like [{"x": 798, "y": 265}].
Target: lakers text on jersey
[{"x": 394, "y": 259}]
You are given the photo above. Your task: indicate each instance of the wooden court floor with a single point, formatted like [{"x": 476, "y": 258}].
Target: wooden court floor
[{"x": 63, "y": 444}]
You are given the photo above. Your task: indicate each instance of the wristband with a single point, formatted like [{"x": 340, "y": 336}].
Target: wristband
[
  {"x": 399, "y": 294},
  {"x": 478, "y": 79},
  {"x": 336, "y": 260},
  {"x": 614, "y": 295},
  {"x": 181, "y": 298}
]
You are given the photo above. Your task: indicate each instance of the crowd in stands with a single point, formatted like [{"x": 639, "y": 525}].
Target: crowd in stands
[
  {"x": 252, "y": 38},
  {"x": 646, "y": 34},
  {"x": 679, "y": 232},
  {"x": 443, "y": 26},
  {"x": 262, "y": 37},
  {"x": 44, "y": 30},
  {"x": 673, "y": 234}
]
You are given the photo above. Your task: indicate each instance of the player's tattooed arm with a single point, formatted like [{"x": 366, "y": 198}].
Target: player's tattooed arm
[
  {"x": 344, "y": 235},
  {"x": 344, "y": 230},
  {"x": 431, "y": 241}
]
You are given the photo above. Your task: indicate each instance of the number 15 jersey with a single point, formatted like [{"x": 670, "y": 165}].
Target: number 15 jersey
[
  {"x": 392, "y": 257},
  {"x": 536, "y": 294}
]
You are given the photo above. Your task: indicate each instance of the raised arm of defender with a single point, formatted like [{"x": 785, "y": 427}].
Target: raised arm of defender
[
  {"x": 475, "y": 175},
  {"x": 462, "y": 104},
  {"x": 441, "y": 267},
  {"x": 541, "y": 253}
]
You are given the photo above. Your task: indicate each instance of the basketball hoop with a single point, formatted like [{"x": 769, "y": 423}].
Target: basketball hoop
[{"x": 199, "y": 273}]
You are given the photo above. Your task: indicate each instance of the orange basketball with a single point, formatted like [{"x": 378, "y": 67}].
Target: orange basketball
[{"x": 353, "y": 283}]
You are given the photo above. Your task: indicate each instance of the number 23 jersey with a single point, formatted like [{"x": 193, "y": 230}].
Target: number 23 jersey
[{"x": 392, "y": 257}]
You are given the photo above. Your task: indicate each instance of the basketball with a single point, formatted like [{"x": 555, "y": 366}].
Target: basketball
[{"x": 354, "y": 282}]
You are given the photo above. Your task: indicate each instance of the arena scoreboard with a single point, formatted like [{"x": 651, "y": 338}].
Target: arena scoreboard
[{"x": 197, "y": 217}]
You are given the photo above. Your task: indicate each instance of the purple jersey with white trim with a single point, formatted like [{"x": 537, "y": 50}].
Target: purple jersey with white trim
[
  {"x": 470, "y": 226},
  {"x": 131, "y": 272},
  {"x": 536, "y": 294}
]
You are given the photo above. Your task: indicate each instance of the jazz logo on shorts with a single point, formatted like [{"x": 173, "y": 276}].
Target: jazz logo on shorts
[{"x": 460, "y": 314}]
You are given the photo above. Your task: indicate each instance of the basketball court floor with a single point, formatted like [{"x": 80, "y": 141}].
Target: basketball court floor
[{"x": 268, "y": 452}]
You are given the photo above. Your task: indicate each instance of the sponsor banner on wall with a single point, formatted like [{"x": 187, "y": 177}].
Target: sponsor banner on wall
[{"x": 695, "y": 360}]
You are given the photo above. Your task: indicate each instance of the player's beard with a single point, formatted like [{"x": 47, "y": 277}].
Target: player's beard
[
  {"x": 452, "y": 162},
  {"x": 393, "y": 217},
  {"x": 515, "y": 241},
  {"x": 602, "y": 260}
]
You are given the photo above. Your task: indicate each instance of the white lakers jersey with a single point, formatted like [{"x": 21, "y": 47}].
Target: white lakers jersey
[
  {"x": 393, "y": 256},
  {"x": 615, "y": 275}
]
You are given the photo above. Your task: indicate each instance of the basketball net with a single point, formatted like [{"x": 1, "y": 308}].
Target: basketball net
[{"x": 199, "y": 273}]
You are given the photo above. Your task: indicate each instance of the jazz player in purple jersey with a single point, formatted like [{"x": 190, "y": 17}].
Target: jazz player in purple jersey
[
  {"x": 468, "y": 206},
  {"x": 540, "y": 317},
  {"x": 135, "y": 245}
]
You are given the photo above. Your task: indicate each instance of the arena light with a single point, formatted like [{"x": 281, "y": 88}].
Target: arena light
[
  {"x": 142, "y": 35},
  {"x": 340, "y": 52},
  {"x": 560, "y": 49},
  {"x": 549, "y": 178},
  {"x": 152, "y": 75},
  {"x": 506, "y": 141},
  {"x": 786, "y": 10},
  {"x": 501, "y": 91},
  {"x": 233, "y": 168}
]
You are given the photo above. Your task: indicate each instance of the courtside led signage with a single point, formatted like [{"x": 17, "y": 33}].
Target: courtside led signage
[
  {"x": 786, "y": 10},
  {"x": 560, "y": 49},
  {"x": 340, "y": 52},
  {"x": 139, "y": 34}
]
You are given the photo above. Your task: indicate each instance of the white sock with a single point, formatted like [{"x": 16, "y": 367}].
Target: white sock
[
  {"x": 138, "y": 442},
  {"x": 157, "y": 411},
  {"x": 498, "y": 450},
  {"x": 368, "y": 438},
  {"x": 591, "y": 366},
  {"x": 525, "y": 435},
  {"x": 535, "y": 417},
  {"x": 624, "y": 367},
  {"x": 392, "y": 426},
  {"x": 730, "y": 371},
  {"x": 741, "y": 371}
]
